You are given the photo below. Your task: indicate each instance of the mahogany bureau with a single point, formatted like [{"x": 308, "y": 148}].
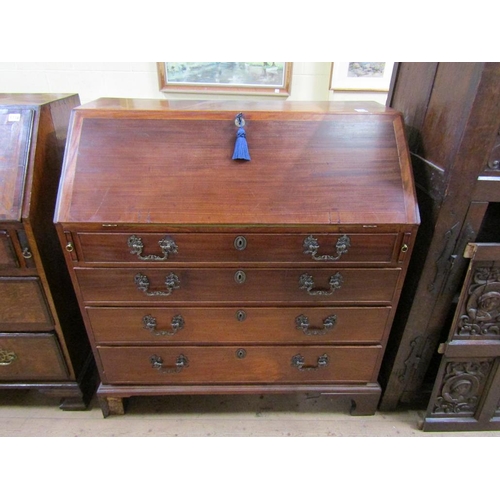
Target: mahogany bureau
[
  {"x": 42, "y": 336},
  {"x": 200, "y": 274}
]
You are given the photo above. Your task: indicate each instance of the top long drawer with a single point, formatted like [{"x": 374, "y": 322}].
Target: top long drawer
[{"x": 211, "y": 248}]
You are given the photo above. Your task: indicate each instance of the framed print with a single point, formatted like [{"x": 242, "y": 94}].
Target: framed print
[
  {"x": 361, "y": 76},
  {"x": 260, "y": 78}
]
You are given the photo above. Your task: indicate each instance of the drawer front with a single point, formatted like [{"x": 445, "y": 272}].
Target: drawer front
[
  {"x": 31, "y": 357},
  {"x": 199, "y": 325},
  {"x": 218, "y": 365},
  {"x": 23, "y": 306},
  {"x": 238, "y": 285},
  {"x": 223, "y": 247},
  {"x": 8, "y": 258}
]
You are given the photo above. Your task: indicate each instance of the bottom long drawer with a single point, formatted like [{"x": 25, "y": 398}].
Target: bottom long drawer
[
  {"x": 213, "y": 365},
  {"x": 36, "y": 356}
]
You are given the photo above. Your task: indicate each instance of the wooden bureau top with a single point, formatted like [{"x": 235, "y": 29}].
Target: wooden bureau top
[{"x": 169, "y": 162}]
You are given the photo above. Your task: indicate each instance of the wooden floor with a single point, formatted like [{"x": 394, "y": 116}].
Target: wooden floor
[{"x": 31, "y": 414}]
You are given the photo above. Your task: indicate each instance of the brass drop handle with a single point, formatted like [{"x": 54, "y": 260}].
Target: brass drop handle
[
  {"x": 302, "y": 323},
  {"x": 149, "y": 323},
  {"x": 306, "y": 282},
  {"x": 172, "y": 282},
  {"x": 7, "y": 357},
  {"x": 167, "y": 246},
  {"x": 311, "y": 246},
  {"x": 180, "y": 363},
  {"x": 69, "y": 247},
  {"x": 26, "y": 253},
  {"x": 298, "y": 362}
]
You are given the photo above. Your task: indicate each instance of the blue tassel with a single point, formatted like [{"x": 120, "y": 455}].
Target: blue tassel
[{"x": 241, "y": 146}]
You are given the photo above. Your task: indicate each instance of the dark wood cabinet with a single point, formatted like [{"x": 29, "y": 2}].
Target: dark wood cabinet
[
  {"x": 452, "y": 117},
  {"x": 42, "y": 335},
  {"x": 199, "y": 274}
]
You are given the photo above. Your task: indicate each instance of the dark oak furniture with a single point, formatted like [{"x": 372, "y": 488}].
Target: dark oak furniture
[
  {"x": 466, "y": 394},
  {"x": 199, "y": 274},
  {"x": 42, "y": 335},
  {"x": 452, "y": 116}
]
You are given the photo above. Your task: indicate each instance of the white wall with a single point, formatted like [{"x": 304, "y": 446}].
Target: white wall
[{"x": 310, "y": 81}]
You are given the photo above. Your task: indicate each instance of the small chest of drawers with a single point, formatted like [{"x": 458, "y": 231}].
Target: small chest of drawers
[{"x": 200, "y": 274}]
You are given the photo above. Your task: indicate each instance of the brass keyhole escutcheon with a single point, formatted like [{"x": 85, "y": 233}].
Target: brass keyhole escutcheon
[
  {"x": 241, "y": 353},
  {"x": 240, "y": 243},
  {"x": 240, "y": 277},
  {"x": 241, "y": 315}
]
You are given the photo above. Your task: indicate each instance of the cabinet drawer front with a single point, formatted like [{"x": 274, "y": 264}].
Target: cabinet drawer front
[
  {"x": 199, "y": 325},
  {"x": 23, "y": 306},
  {"x": 8, "y": 258},
  {"x": 238, "y": 285},
  {"x": 30, "y": 357},
  {"x": 188, "y": 365},
  {"x": 223, "y": 247}
]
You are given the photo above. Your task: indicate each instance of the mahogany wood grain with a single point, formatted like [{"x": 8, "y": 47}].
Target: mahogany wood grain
[
  {"x": 218, "y": 286},
  {"x": 129, "y": 365},
  {"x": 224, "y": 325},
  {"x": 144, "y": 171},
  {"x": 334, "y": 169},
  {"x": 197, "y": 249}
]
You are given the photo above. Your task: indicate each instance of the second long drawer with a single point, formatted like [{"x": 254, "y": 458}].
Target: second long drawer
[
  {"x": 233, "y": 285},
  {"x": 212, "y": 325}
]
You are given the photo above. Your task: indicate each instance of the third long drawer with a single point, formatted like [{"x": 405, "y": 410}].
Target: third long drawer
[{"x": 210, "y": 325}]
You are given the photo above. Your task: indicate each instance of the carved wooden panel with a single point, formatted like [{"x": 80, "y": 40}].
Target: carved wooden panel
[
  {"x": 482, "y": 308},
  {"x": 466, "y": 393},
  {"x": 462, "y": 386}
]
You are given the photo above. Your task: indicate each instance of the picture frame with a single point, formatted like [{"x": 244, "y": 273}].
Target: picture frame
[
  {"x": 361, "y": 76},
  {"x": 259, "y": 78}
]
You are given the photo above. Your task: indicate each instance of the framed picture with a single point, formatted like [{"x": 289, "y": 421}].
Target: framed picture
[
  {"x": 361, "y": 76},
  {"x": 261, "y": 78}
]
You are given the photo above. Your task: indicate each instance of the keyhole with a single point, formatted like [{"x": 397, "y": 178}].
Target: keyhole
[
  {"x": 241, "y": 353},
  {"x": 240, "y": 243},
  {"x": 240, "y": 277},
  {"x": 241, "y": 315}
]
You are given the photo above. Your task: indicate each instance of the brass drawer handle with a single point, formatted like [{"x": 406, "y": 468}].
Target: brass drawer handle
[
  {"x": 26, "y": 253},
  {"x": 306, "y": 282},
  {"x": 149, "y": 323},
  {"x": 311, "y": 246},
  {"x": 172, "y": 282},
  {"x": 302, "y": 323},
  {"x": 180, "y": 363},
  {"x": 167, "y": 246},
  {"x": 298, "y": 362},
  {"x": 7, "y": 357}
]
